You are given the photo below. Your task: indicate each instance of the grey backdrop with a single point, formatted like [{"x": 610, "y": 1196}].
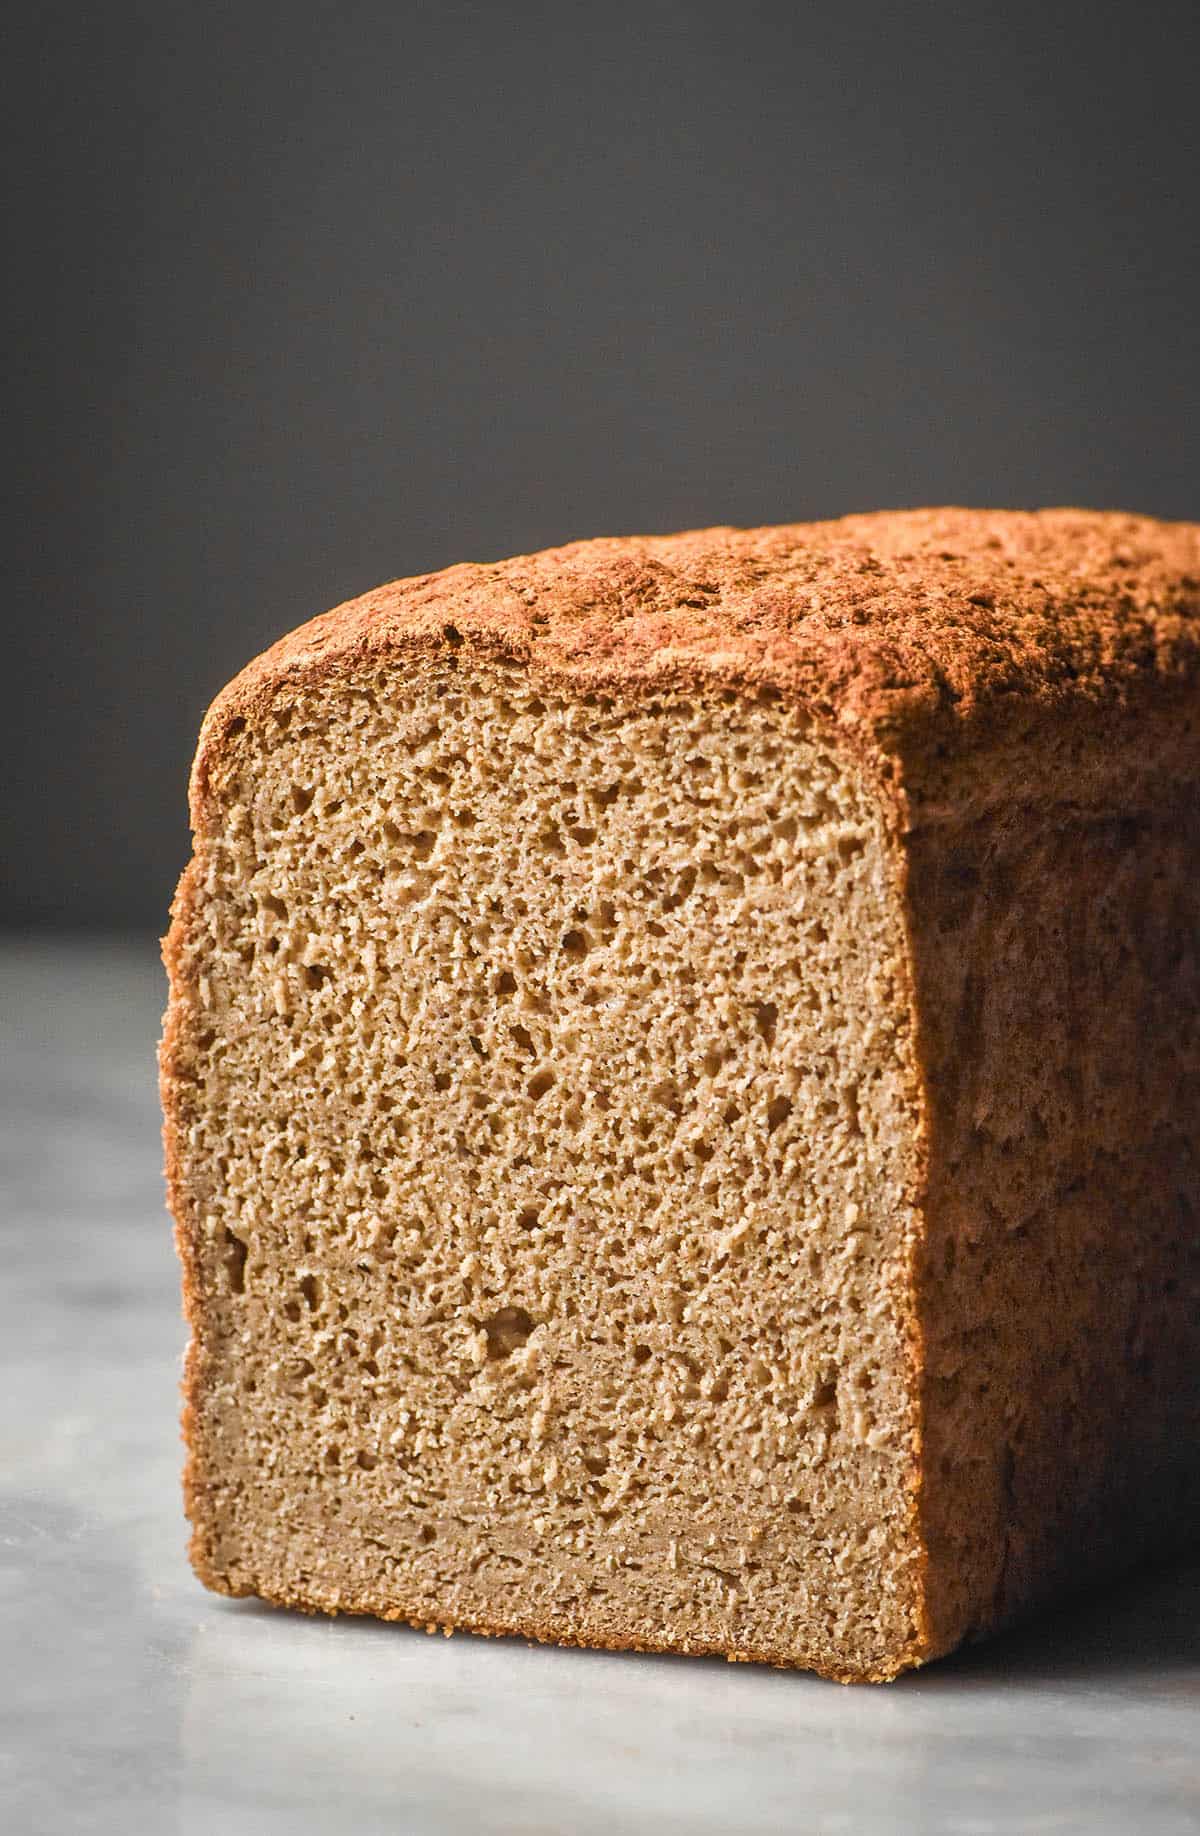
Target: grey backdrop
[{"x": 311, "y": 295}]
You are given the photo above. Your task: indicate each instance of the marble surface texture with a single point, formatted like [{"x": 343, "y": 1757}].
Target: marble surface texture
[{"x": 131, "y": 1701}]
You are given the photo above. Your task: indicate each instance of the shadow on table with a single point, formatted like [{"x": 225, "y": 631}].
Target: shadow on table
[{"x": 1148, "y": 1623}]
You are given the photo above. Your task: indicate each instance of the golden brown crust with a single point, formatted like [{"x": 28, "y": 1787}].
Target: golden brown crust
[
  {"x": 172, "y": 1085},
  {"x": 1059, "y": 1040},
  {"x": 912, "y": 631}
]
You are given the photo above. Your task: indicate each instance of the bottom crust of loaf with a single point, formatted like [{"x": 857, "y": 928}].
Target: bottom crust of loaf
[{"x": 550, "y": 1632}]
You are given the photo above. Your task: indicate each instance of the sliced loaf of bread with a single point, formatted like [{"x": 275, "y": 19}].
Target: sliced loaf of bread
[{"x": 682, "y": 1089}]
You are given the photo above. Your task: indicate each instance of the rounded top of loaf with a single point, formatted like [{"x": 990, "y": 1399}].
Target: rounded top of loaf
[{"x": 903, "y": 628}]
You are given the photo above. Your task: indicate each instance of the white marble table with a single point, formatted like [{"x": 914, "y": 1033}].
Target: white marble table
[{"x": 132, "y": 1702}]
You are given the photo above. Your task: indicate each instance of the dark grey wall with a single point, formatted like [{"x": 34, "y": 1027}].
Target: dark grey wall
[{"x": 311, "y": 295}]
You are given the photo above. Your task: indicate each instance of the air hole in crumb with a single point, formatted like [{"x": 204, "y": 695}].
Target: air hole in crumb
[
  {"x": 368, "y": 1461},
  {"x": 301, "y": 798},
  {"x": 527, "y": 1217},
  {"x": 642, "y": 1354},
  {"x": 575, "y": 945},
  {"x": 539, "y": 1084},
  {"x": 666, "y": 1092},
  {"x": 825, "y": 1394},
  {"x": 506, "y": 1330},
  {"x": 765, "y": 1016},
  {"x": 522, "y": 1037},
  {"x": 442, "y": 1080},
  {"x": 235, "y": 1263},
  {"x": 778, "y": 1113},
  {"x": 310, "y": 1288},
  {"x": 452, "y": 634},
  {"x": 506, "y": 983},
  {"x": 476, "y": 1044},
  {"x": 315, "y": 975},
  {"x": 428, "y": 1534}
]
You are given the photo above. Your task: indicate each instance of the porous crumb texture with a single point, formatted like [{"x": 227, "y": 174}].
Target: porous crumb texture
[
  {"x": 682, "y": 1089},
  {"x": 550, "y": 1141}
]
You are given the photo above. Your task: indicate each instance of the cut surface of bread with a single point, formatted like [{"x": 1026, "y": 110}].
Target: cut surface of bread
[{"x": 680, "y": 1087}]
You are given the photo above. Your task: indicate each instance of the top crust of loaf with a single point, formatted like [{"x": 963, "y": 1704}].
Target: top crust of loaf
[{"x": 920, "y": 634}]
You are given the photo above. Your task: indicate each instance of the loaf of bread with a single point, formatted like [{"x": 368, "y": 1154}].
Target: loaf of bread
[{"x": 682, "y": 1089}]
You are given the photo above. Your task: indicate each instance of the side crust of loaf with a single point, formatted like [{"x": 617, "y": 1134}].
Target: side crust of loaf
[{"x": 985, "y": 675}]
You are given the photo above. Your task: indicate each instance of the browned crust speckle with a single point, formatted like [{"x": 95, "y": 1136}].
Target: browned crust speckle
[{"x": 913, "y": 631}]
